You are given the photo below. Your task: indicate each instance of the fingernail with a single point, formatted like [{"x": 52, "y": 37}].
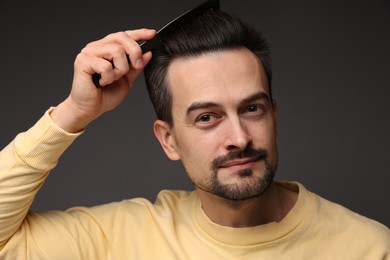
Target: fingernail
[{"x": 139, "y": 64}]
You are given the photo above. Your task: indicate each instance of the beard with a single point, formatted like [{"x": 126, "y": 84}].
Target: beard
[{"x": 248, "y": 186}]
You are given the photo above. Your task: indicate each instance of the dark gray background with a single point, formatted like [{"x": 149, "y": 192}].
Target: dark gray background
[{"x": 331, "y": 80}]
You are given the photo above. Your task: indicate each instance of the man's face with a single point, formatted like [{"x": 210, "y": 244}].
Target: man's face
[{"x": 224, "y": 127}]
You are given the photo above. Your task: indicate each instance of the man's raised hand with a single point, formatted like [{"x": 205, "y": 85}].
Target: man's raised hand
[{"x": 109, "y": 58}]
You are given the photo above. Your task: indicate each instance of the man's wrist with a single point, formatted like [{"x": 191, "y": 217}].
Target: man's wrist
[{"x": 65, "y": 116}]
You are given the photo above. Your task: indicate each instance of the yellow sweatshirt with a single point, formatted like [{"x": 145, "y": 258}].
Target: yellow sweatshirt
[{"x": 173, "y": 227}]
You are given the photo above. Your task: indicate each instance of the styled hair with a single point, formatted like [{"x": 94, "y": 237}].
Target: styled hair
[{"x": 211, "y": 31}]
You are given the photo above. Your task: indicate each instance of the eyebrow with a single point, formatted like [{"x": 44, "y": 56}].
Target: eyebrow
[
  {"x": 205, "y": 105},
  {"x": 201, "y": 105},
  {"x": 256, "y": 96}
]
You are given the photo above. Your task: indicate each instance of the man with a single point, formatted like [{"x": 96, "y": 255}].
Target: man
[{"x": 210, "y": 83}]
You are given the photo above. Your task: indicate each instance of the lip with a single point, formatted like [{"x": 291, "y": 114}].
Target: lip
[{"x": 240, "y": 162}]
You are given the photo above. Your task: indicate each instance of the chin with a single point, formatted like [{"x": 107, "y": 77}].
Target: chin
[{"x": 247, "y": 187}]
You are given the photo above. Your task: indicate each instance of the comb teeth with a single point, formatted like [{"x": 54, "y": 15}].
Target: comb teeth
[{"x": 210, "y": 5}]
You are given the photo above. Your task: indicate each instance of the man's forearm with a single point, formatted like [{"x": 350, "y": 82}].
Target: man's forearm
[{"x": 24, "y": 165}]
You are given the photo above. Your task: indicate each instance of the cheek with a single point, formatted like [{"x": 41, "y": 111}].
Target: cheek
[
  {"x": 268, "y": 141},
  {"x": 197, "y": 151},
  {"x": 264, "y": 135}
]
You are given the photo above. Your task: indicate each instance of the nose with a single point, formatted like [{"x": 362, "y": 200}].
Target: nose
[{"x": 237, "y": 135}]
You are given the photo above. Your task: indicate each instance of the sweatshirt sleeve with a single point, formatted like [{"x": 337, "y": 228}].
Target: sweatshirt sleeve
[{"x": 24, "y": 165}]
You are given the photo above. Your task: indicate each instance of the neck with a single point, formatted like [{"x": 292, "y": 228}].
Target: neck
[{"x": 272, "y": 206}]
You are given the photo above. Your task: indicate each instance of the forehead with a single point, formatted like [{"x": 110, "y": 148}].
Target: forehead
[{"x": 220, "y": 77}]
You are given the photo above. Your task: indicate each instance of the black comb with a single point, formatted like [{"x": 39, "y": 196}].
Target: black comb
[{"x": 150, "y": 45}]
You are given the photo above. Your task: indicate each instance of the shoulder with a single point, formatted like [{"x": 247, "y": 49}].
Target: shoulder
[
  {"x": 347, "y": 225},
  {"x": 166, "y": 202},
  {"x": 138, "y": 212},
  {"x": 346, "y": 217}
]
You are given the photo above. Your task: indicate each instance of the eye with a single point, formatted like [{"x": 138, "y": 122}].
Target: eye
[
  {"x": 254, "y": 110},
  {"x": 206, "y": 120}
]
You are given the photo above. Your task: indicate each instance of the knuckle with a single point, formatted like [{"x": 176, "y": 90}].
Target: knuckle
[
  {"x": 137, "y": 51},
  {"x": 106, "y": 67},
  {"x": 122, "y": 34},
  {"x": 86, "y": 49},
  {"x": 79, "y": 60},
  {"x": 91, "y": 44},
  {"x": 88, "y": 45},
  {"x": 109, "y": 36},
  {"x": 116, "y": 35},
  {"x": 118, "y": 50}
]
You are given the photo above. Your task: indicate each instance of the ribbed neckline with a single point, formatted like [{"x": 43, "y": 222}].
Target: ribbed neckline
[{"x": 261, "y": 234}]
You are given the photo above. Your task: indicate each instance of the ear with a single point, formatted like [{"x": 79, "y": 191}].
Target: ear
[{"x": 164, "y": 135}]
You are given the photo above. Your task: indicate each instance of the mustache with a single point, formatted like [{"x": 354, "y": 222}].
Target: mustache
[{"x": 256, "y": 154}]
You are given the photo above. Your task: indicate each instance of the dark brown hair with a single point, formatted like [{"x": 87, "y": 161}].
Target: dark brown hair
[{"x": 209, "y": 32}]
